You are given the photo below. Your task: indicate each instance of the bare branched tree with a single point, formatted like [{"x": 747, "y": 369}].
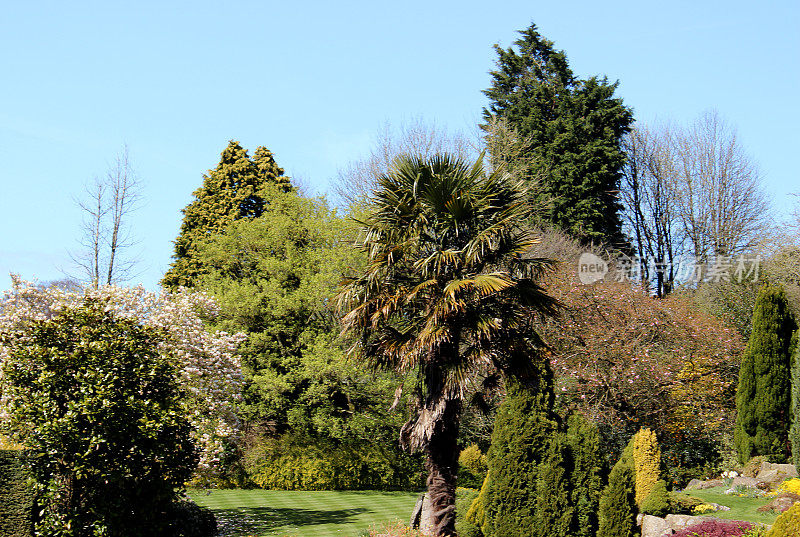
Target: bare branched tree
[
  {"x": 105, "y": 232},
  {"x": 693, "y": 191},
  {"x": 354, "y": 183},
  {"x": 719, "y": 197}
]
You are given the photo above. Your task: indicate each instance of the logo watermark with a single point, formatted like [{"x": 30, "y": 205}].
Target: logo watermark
[{"x": 739, "y": 269}]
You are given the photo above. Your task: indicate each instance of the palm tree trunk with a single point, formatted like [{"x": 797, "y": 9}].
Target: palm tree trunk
[{"x": 441, "y": 463}]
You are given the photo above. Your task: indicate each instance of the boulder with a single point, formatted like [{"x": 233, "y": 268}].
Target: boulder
[
  {"x": 696, "y": 484},
  {"x": 653, "y": 526},
  {"x": 781, "y": 503},
  {"x": 679, "y": 522},
  {"x": 787, "y": 469}
]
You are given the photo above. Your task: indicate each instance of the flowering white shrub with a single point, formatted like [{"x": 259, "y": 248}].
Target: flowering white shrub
[{"x": 209, "y": 368}]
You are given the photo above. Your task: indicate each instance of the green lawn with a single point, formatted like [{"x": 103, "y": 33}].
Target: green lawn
[
  {"x": 741, "y": 508},
  {"x": 248, "y": 513}
]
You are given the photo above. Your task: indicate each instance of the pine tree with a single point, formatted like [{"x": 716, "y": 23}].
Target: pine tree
[
  {"x": 574, "y": 128},
  {"x": 763, "y": 397},
  {"x": 618, "y": 503},
  {"x": 229, "y": 192},
  {"x": 587, "y": 473}
]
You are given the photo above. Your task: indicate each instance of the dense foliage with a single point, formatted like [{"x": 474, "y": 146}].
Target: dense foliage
[
  {"x": 101, "y": 409},
  {"x": 715, "y": 528},
  {"x": 229, "y": 193},
  {"x": 646, "y": 463},
  {"x": 588, "y": 473},
  {"x": 794, "y": 429},
  {"x": 763, "y": 397},
  {"x": 787, "y": 524},
  {"x": 16, "y": 495},
  {"x": 206, "y": 363},
  {"x": 573, "y": 130}
]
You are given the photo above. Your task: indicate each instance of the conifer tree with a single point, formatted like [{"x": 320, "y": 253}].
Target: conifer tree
[
  {"x": 229, "y": 192},
  {"x": 763, "y": 397},
  {"x": 524, "y": 429},
  {"x": 587, "y": 473},
  {"x": 554, "y": 510},
  {"x": 574, "y": 128},
  {"x": 794, "y": 431},
  {"x": 647, "y": 463},
  {"x": 618, "y": 503}
]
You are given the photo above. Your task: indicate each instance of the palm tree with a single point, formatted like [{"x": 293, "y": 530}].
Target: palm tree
[{"x": 447, "y": 296}]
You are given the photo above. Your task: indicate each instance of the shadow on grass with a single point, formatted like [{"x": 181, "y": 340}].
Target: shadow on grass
[{"x": 258, "y": 520}]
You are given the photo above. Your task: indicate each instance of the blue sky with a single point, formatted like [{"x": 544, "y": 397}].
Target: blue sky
[{"x": 314, "y": 81}]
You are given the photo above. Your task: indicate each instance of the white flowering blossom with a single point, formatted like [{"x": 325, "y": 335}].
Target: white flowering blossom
[{"x": 209, "y": 368}]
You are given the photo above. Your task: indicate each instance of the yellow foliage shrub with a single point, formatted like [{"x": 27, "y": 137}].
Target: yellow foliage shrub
[
  {"x": 787, "y": 524},
  {"x": 791, "y": 485},
  {"x": 647, "y": 463}
]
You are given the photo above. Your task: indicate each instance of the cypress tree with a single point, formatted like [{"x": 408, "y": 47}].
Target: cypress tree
[
  {"x": 646, "y": 463},
  {"x": 229, "y": 192},
  {"x": 763, "y": 397},
  {"x": 618, "y": 503},
  {"x": 587, "y": 473},
  {"x": 524, "y": 431},
  {"x": 574, "y": 128},
  {"x": 794, "y": 432},
  {"x": 554, "y": 510}
]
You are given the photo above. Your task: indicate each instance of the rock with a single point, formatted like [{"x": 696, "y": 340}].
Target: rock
[
  {"x": 679, "y": 522},
  {"x": 772, "y": 476},
  {"x": 781, "y": 503},
  {"x": 788, "y": 469},
  {"x": 426, "y": 516},
  {"x": 696, "y": 484},
  {"x": 653, "y": 526},
  {"x": 718, "y": 507},
  {"x": 417, "y": 512}
]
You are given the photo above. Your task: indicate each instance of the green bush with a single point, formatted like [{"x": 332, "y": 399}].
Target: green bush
[
  {"x": 471, "y": 467},
  {"x": 682, "y": 504},
  {"x": 464, "y": 499},
  {"x": 283, "y": 463},
  {"x": 16, "y": 495},
  {"x": 587, "y": 473},
  {"x": 657, "y": 502},
  {"x": 190, "y": 520},
  {"x": 787, "y": 524}
]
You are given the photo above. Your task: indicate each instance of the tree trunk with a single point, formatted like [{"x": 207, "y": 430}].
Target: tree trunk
[{"x": 441, "y": 462}]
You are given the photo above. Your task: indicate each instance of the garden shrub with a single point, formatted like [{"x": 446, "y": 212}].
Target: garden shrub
[
  {"x": 464, "y": 499},
  {"x": 16, "y": 495},
  {"x": 646, "y": 462},
  {"x": 716, "y": 528},
  {"x": 284, "y": 463},
  {"x": 753, "y": 465},
  {"x": 476, "y": 514},
  {"x": 683, "y": 504},
  {"x": 657, "y": 502},
  {"x": 791, "y": 485},
  {"x": 618, "y": 503},
  {"x": 471, "y": 467},
  {"x": 787, "y": 524}
]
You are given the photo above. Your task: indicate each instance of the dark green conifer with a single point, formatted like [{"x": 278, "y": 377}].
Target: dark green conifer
[
  {"x": 794, "y": 431},
  {"x": 574, "y": 128},
  {"x": 763, "y": 397},
  {"x": 618, "y": 503},
  {"x": 229, "y": 192},
  {"x": 587, "y": 473}
]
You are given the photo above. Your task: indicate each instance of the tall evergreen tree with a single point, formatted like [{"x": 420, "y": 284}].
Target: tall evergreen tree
[
  {"x": 229, "y": 192},
  {"x": 794, "y": 431},
  {"x": 574, "y": 129},
  {"x": 618, "y": 504},
  {"x": 763, "y": 397},
  {"x": 587, "y": 473}
]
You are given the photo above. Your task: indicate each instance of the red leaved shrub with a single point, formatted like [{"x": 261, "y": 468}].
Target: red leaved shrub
[{"x": 716, "y": 528}]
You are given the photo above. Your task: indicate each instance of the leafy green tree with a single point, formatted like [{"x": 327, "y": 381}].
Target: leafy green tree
[
  {"x": 229, "y": 193},
  {"x": 763, "y": 397},
  {"x": 98, "y": 404},
  {"x": 274, "y": 278},
  {"x": 447, "y": 293},
  {"x": 573, "y": 129}
]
